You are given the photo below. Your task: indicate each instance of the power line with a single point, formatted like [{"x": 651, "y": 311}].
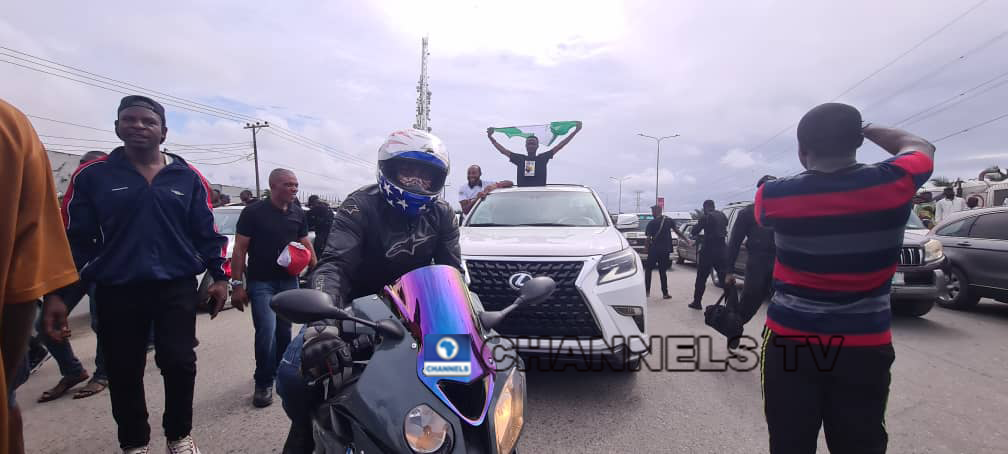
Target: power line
[
  {"x": 882, "y": 68},
  {"x": 191, "y": 105},
  {"x": 970, "y": 128},
  {"x": 958, "y": 99}
]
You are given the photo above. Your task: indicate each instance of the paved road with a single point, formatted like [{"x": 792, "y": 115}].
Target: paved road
[{"x": 949, "y": 394}]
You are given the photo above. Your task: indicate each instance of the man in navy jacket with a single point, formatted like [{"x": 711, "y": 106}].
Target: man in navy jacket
[{"x": 141, "y": 228}]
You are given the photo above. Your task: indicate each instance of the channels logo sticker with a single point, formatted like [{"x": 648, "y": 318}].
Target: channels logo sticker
[{"x": 446, "y": 355}]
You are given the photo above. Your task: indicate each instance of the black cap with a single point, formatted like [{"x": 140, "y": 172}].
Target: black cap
[
  {"x": 831, "y": 126},
  {"x": 655, "y": 207},
  {"x": 145, "y": 102},
  {"x": 764, "y": 179}
]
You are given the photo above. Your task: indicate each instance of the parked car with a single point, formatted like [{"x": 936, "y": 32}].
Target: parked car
[
  {"x": 560, "y": 231},
  {"x": 636, "y": 233},
  {"x": 976, "y": 243},
  {"x": 919, "y": 281}
]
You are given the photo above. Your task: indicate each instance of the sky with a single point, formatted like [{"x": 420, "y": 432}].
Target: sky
[{"x": 732, "y": 79}]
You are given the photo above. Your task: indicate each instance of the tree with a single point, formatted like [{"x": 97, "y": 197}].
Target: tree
[{"x": 942, "y": 181}]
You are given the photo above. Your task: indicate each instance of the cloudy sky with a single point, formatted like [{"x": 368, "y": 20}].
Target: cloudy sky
[{"x": 335, "y": 77}]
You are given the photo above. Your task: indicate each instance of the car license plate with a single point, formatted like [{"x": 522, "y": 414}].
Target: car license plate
[{"x": 897, "y": 279}]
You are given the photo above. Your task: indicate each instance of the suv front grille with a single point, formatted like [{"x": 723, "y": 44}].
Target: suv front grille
[
  {"x": 565, "y": 313},
  {"x": 910, "y": 256}
]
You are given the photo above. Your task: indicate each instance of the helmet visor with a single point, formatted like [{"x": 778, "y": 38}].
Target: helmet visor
[{"x": 412, "y": 175}]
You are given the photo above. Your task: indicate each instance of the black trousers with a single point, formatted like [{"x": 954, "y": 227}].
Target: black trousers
[
  {"x": 757, "y": 287},
  {"x": 848, "y": 402},
  {"x": 660, "y": 260},
  {"x": 711, "y": 257},
  {"x": 127, "y": 313}
]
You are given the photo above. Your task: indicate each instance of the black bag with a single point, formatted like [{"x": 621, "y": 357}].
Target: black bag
[{"x": 722, "y": 317}]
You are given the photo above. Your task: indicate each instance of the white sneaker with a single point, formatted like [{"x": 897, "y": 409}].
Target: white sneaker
[
  {"x": 183, "y": 446},
  {"x": 141, "y": 450}
]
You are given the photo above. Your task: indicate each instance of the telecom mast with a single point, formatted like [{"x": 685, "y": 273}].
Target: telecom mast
[{"x": 423, "y": 92}]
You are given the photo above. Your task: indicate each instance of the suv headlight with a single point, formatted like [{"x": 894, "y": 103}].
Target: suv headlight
[
  {"x": 933, "y": 250},
  {"x": 425, "y": 430},
  {"x": 617, "y": 265},
  {"x": 509, "y": 415}
]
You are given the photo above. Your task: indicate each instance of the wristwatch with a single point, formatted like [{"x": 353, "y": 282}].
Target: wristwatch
[{"x": 237, "y": 283}]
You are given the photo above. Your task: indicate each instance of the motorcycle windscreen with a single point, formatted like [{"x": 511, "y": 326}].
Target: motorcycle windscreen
[{"x": 453, "y": 363}]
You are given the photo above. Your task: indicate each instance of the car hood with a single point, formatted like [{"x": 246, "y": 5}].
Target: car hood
[
  {"x": 914, "y": 237},
  {"x": 540, "y": 241}
]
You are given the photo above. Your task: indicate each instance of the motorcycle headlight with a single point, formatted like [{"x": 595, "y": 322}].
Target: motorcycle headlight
[
  {"x": 426, "y": 431},
  {"x": 509, "y": 415},
  {"x": 933, "y": 250},
  {"x": 616, "y": 266}
]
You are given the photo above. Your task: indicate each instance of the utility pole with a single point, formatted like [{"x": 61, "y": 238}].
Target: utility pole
[
  {"x": 657, "y": 160},
  {"x": 423, "y": 92},
  {"x": 619, "y": 202},
  {"x": 255, "y": 150},
  {"x": 638, "y": 192}
]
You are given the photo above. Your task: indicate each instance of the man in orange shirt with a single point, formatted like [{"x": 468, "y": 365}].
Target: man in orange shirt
[{"x": 35, "y": 256}]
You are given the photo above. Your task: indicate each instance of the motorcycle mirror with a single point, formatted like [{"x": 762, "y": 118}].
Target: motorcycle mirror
[
  {"x": 306, "y": 305},
  {"x": 536, "y": 290},
  {"x": 533, "y": 292},
  {"x": 389, "y": 328}
]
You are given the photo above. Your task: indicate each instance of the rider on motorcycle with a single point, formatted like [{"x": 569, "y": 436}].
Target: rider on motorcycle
[{"x": 380, "y": 232}]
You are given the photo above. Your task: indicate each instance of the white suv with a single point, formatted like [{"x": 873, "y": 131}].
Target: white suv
[{"x": 561, "y": 231}]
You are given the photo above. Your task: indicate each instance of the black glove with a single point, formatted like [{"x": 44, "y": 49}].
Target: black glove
[{"x": 324, "y": 353}]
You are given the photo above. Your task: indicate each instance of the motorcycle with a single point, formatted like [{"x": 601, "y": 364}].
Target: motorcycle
[{"x": 435, "y": 383}]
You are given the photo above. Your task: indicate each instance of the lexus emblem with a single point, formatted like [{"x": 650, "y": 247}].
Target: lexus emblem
[{"x": 517, "y": 280}]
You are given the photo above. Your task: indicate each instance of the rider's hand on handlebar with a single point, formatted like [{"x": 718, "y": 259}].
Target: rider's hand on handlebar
[{"x": 324, "y": 353}]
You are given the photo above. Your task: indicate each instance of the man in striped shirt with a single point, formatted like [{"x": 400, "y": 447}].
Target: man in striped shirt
[{"x": 838, "y": 228}]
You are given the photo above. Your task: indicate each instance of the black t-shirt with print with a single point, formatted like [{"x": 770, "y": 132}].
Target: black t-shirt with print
[{"x": 531, "y": 170}]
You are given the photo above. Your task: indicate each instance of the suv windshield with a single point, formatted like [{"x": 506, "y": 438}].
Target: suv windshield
[
  {"x": 226, "y": 220},
  {"x": 538, "y": 208},
  {"x": 914, "y": 222}
]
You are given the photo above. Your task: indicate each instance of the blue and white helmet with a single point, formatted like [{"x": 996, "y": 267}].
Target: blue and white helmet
[{"x": 412, "y": 168}]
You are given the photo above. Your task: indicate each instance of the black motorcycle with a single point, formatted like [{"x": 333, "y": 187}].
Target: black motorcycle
[{"x": 438, "y": 381}]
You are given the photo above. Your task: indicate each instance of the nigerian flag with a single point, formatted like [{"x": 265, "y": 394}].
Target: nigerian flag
[{"x": 545, "y": 133}]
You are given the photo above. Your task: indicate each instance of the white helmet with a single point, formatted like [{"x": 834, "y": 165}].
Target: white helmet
[{"x": 412, "y": 168}]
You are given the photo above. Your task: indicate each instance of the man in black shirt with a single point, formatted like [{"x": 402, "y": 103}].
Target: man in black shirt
[
  {"x": 320, "y": 218},
  {"x": 659, "y": 245},
  {"x": 264, "y": 230},
  {"x": 711, "y": 253},
  {"x": 760, "y": 255},
  {"x": 531, "y": 166}
]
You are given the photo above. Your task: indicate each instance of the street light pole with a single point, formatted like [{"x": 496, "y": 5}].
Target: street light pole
[
  {"x": 657, "y": 160},
  {"x": 619, "y": 201}
]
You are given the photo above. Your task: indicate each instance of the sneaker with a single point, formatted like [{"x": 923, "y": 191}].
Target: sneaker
[
  {"x": 263, "y": 396},
  {"x": 695, "y": 305},
  {"x": 666, "y": 296},
  {"x": 140, "y": 450},
  {"x": 183, "y": 446}
]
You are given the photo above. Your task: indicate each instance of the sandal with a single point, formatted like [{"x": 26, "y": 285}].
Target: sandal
[
  {"x": 62, "y": 387},
  {"x": 93, "y": 387}
]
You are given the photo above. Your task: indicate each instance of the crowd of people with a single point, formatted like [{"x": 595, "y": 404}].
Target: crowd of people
[{"x": 136, "y": 227}]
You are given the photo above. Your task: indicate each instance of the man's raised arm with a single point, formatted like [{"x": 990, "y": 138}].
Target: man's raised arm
[
  {"x": 563, "y": 143},
  {"x": 897, "y": 141},
  {"x": 498, "y": 146}
]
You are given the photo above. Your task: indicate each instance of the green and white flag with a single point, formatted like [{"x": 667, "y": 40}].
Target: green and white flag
[{"x": 545, "y": 133}]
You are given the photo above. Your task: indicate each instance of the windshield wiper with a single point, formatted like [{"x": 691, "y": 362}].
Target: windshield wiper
[
  {"x": 551, "y": 224},
  {"x": 490, "y": 224}
]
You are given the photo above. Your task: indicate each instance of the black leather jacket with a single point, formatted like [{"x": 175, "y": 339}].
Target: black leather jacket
[
  {"x": 371, "y": 244},
  {"x": 758, "y": 240}
]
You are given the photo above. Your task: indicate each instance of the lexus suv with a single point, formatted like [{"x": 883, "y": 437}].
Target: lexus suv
[{"x": 562, "y": 231}]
